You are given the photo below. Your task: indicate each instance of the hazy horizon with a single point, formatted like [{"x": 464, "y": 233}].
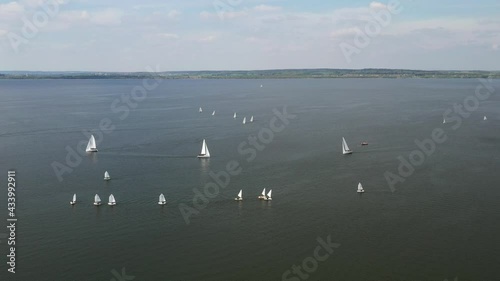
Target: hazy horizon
[{"x": 223, "y": 35}]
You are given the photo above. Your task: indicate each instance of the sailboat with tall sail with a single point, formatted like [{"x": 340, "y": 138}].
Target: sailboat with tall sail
[
  {"x": 111, "y": 200},
  {"x": 204, "y": 151},
  {"x": 263, "y": 194},
  {"x": 73, "y": 202},
  {"x": 268, "y": 198},
  {"x": 200, "y": 110},
  {"x": 213, "y": 113},
  {"x": 484, "y": 118},
  {"x": 360, "y": 188},
  {"x": 444, "y": 121},
  {"x": 234, "y": 116},
  {"x": 251, "y": 119},
  {"x": 161, "y": 200},
  {"x": 244, "y": 120},
  {"x": 97, "y": 200},
  {"x": 240, "y": 196},
  {"x": 345, "y": 148},
  {"x": 91, "y": 146},
  {"x": 106, "y": 176}
]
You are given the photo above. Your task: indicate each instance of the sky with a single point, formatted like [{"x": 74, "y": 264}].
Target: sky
[{"x": 181, "y": 35}]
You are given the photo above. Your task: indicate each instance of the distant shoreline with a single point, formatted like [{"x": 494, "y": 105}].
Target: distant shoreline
[{"x": 257, "y": 74}]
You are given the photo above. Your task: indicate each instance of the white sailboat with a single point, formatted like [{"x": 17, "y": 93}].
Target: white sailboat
[
  {"x": 234, "y": 116},
  {"x": 261, "y": 85},
  {"x": 251, "y": 119},
  {"x": 244, "y": 120},
  {"x": 106, "y": 176},
  {"x": 200, "y": 110},
  {"x": 360, "y": 188},
  {"x": 91, "y": 146},
  {"x": 111, "y": 201},
  {"x": 345, "y": 148},
  {"x": 444, "y": 121},
  {"x": 204, "y": 151},
  {"x": 263, "y": 194},
  {"x": 484, "y": 118},
  {"x": 161, "y": 200},
  {"x": 213, "y": 113},
  {"x": 73, "y": 202},
  {"x": 269, "y": 195},
  {"x": 97, "y": 200},
  {"x": 240, "y": 194}
]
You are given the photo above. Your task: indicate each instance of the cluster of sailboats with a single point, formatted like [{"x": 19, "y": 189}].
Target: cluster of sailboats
[
  {"x": 484, "y": 119},
  {"x": 112, "y": 200},
  {"x": 200, "y": 110},
  {"x": 263, "y": 195}
]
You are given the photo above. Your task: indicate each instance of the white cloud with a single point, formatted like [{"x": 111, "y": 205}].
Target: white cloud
[
  {"x": 11, "y": 10},
  {"x": 267, "y": 8},
  {"x": 107, "y": 17},
  {"x": 207, "y": 38},
  {"x": 377, "y": 5},
  {"x": 174, "y": 15},
  {"x": 169, "y": 36}
]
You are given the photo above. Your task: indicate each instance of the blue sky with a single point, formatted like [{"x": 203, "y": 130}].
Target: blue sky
[{"x": 92, "y": 35}]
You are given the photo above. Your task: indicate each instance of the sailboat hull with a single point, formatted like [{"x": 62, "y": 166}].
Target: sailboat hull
[
  {"x": 238, "y": 199},
  {"x": 111, "y": 204},
  {"x": 203, "y": 156},
  {"x": 97, "y": 204},
  {"x": 92, "y": 150},
  {"x": 361, "y": 191},
  {"x": 72, "y": 203},
  {"x": 347, "y": 152},
  {"x": 162, "y": 203},
  {"x": 268, "y": 199}
]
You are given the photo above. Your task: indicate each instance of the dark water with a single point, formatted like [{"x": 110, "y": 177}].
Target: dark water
[{"x": 442, "y": 222}]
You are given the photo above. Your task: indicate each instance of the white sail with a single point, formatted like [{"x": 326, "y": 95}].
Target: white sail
[
  {"x": 106, "y": 176},
  {"x": 205, "y": 153},
  {"x": 263, "y": 192},
  {"x": 345, "y": 148},
  {"x": 200, "y": 110},
  {"x": 444, "y": 121},
  {"x": 484, "y": 118},
  {"x": 251, "y": 119},
  {"x": 112, "y": 199},
  {"x": 244, "y": 120},
  {"x": 97, "y": 199},
  {"x": 161, "y": 199},
  {"x": 269, "y": 193},
  {"x": 74, "y": 197},
  {"x": 213, "y": 113},
  {"x": 234, "y": 116},
  {"x": 91, "y": 146},
  {"x": 240, "y": 194},
  {"x": 360, "y": 187}
]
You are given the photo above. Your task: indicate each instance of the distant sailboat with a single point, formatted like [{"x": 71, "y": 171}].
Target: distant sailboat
[
  {"x": 360, "y": 188},
  {"x": 213, "y": 113},
  {"x": 204, "y": 151},
  {"x": 111, "y": 201},
  {"x": 240, "y": 194},
  {"x": 106, "y": 176},
  {"x": 484, "y": 118},
  {"x": 251, "y": 119},
  {"x": 200, "y": 110},
  {"x": 161, "y": 200},
  {"x": 91, "y": 146},
  {"x": 74, "y": 200},
  {"x": 269, "y": 195},
  {"x": 263, "y": 194},
  {"x": 261, "y": 85},
  {"x": 97, "y": 200},
  {"x": 244, "y": 120},
  {"x": 234, "y": 116},
  {"x": 444, "y": 121},
  {"x": 345, "y": 148}
]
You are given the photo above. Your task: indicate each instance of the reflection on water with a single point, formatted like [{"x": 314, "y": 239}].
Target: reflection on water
[
  {"x": 204, "y": 165},
  {"x": 92, "y": 156}
]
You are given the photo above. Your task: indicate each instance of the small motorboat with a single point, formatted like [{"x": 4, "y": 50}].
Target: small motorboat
[{"x": 364, "y": 143}]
